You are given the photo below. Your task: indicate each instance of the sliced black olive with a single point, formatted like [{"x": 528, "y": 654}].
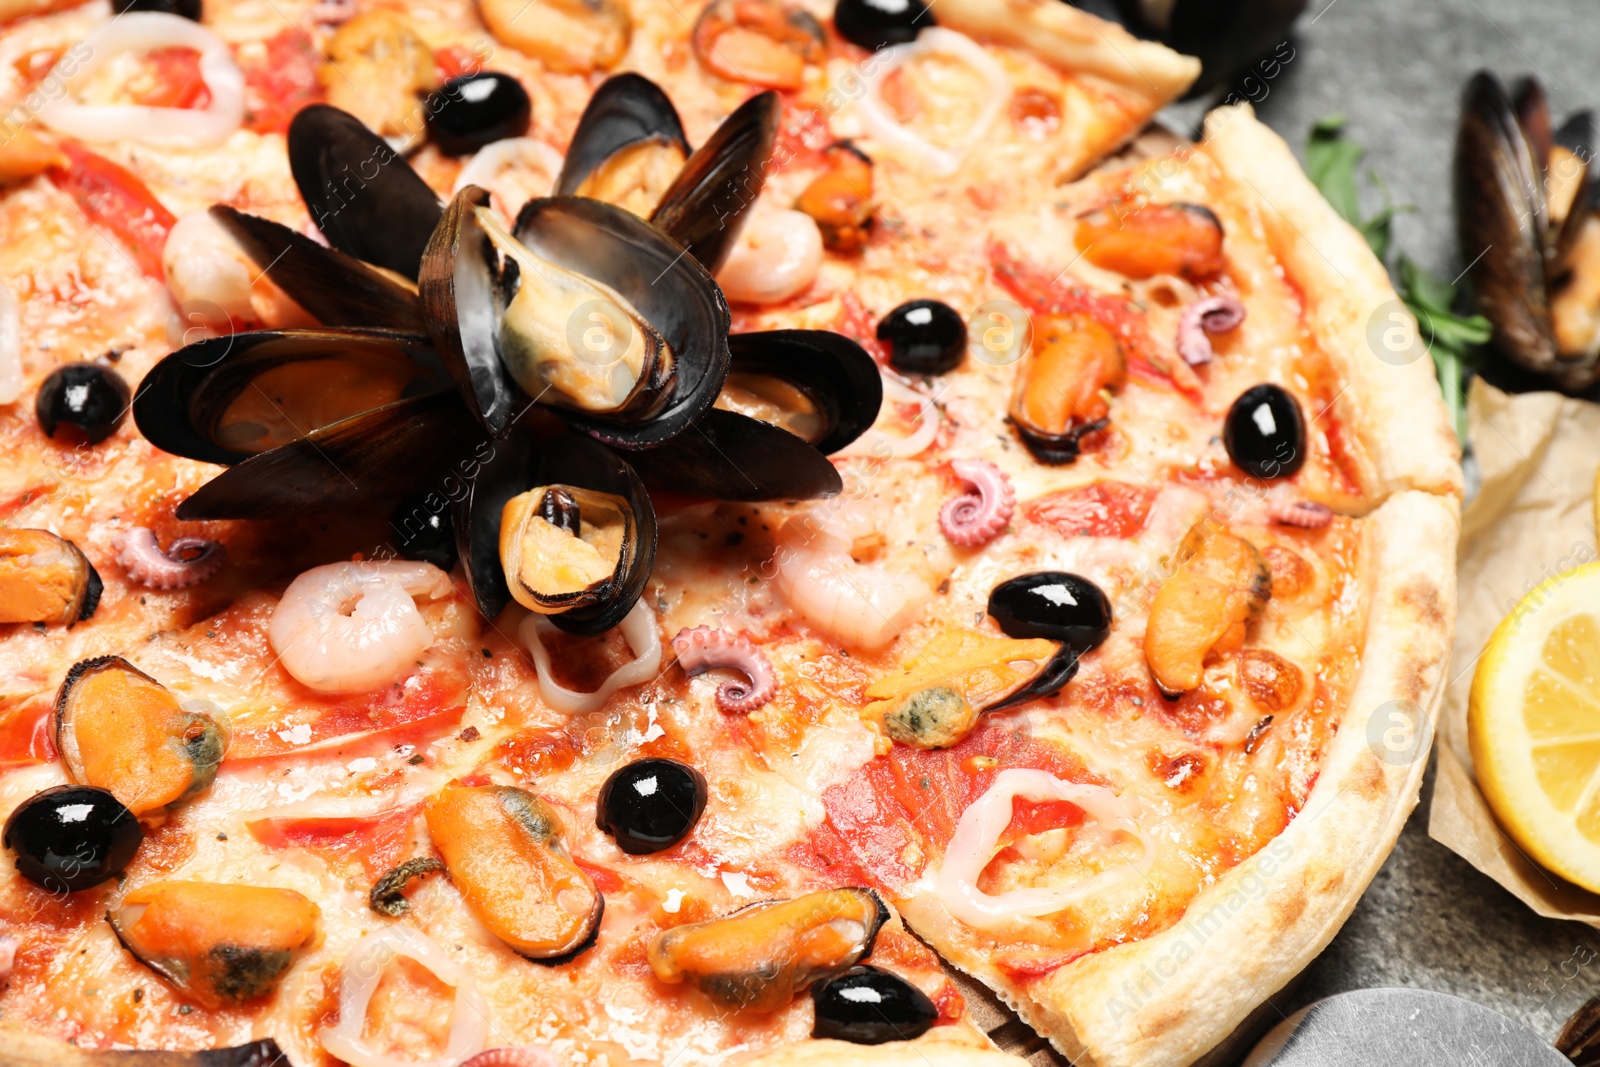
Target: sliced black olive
[
  {"x": 421, "y": 527},
  {"x": 651, "y": 804},
  {"x": 189, "y": 9},
  {"x": 476, "y": 109},
  {"x": 1054, "y": 605},
  {"x": 924, "y": 337},
  {"x": 1265, "y": 434},
  {"x": 91, "y": 398},
  {"x": 874, "y": 24},
  {"x": 870, "y": 1006},
  {"x": 71, "y": 837}
]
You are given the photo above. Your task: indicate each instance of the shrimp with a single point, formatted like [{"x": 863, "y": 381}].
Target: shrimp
[
  {"x": 10, "y": 346},
  {"x": 861, "y": 605},
  {"x": 514, "y": 170},
  {"x": 776, "y": 257},
  {"x": 349, "y": 627},
  {"x": 217, "y": 288}
]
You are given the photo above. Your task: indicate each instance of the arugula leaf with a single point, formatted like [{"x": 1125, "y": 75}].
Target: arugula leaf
[{"x": 1331, "y": 162}]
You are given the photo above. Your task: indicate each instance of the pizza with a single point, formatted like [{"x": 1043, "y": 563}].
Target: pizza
[{"x": 544, "y": 533}]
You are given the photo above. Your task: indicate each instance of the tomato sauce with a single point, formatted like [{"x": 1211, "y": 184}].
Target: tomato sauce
[{"x": 113, "y": 199}]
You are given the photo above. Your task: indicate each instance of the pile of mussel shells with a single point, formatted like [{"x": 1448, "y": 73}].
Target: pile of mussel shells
[
  {"x": 1525, "y": 197},
  {"x": 540, "y": 376}
]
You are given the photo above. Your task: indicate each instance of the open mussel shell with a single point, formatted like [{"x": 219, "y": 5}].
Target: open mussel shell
[
  {"x": 226, "y": 399},
  {"x": 370, "y": 458},
  {"x": 362, "y": 194},
  {"x": 461, "y": 297},
  {"x": 334, "y": 288},
  {"x": 1501, "y": 222},
  {"x": 705, "y": 207},
  {"x": 817, "y": 384},
  {"x": 629, "y": 111},
  {"x": 674, "y": 295},
  {"x": 728, "y": 456},
  {"x": 520, "y": 463}
]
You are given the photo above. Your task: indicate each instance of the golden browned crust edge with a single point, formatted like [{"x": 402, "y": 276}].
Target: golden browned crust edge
[
  {"x": 944, "y": 1046},
  {"x": 1391, "y": 399}
]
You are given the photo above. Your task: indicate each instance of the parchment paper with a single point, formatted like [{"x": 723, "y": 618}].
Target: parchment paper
[{"x": 1532, "y": 518}]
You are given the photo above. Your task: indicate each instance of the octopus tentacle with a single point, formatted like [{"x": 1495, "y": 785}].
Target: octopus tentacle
[
  {"x": 185, "y": 562},
  {"x": 512, "y": 1056},
  {"x": 975, "y": 519},
  {"x": 1214, "y": 314},
  {"x": 1306, "y": 514},
  {"x": 703, "y": 649}
]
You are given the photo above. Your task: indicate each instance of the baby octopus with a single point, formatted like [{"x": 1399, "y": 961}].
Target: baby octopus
[
  {"x": 703, "y": 649},
  {"x": 186, "y": 561},
  {"x": 1214, "y": 314},
  {"x": 974, "y": 519}
]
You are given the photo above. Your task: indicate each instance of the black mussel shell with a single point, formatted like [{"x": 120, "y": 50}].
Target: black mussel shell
[
  {"x": 334, "y": 288},
  {"x": 362, "y": 194},
  {"x": 705, "y": 207},
  {"x": 728, "y": 456},
  {"x": 869, "y": 1006},
  {"x": 183, "y": 399},
  {"x": 670, "y": 290},
  {"x": 1057, "y": 449},
  {"x": 1227, "y": 35},
  {"x": 370, "y": 458},
  {"x": 420, "y": 528},
  {"x": 1501, "y": 222},
  {"x": 463, "y": 306},
  {"x": 626, "y": 109},
  {"x": 518, "y": 463},
  {"x": 1054, "y": 605},
  {"x": 835, "y": 372}
]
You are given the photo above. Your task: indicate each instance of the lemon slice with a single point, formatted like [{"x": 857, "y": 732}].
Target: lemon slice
[{"x": 1533, "y": 721}]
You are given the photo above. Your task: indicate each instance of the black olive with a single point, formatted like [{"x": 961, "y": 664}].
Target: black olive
[
  {"x": 87, "y": 396},
  {"x": 421, "y": 527},
  {"x": 475, "y": 109},
  {"x": 1265, "y": 434},
  {"x": 1054, "y": 605},
  {"x": 651, "y": 804},
  {"x": 924, "y": 337},
  {"x": 870, "y": 1006},
  {"x": 71, "y": 837},
  {"x": 189, "y": 9},
  {"x": 874, "y": 24}
]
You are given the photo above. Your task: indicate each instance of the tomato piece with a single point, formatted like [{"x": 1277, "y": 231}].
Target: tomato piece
[
  {"x": 452, "y": 61},
  {"x": 425, "y": 710},
  {"x": 857, "y": 323},
  {"x": 26, "y": 736},
  {"x": 174, "y": 80},
  {"x": 1104, "y": 509},
  {"x": 282, "y": 83},
  {"x": 114, "y": 199},
  {"x": 376, "y": 842}
]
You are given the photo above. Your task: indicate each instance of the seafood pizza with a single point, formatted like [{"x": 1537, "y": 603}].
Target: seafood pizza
[{"x": 545, "y": 533}]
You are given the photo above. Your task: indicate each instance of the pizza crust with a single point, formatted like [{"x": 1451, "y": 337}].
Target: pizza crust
[
  {"x": 1391, "y": 397},
  {"x": 945, "y": 1046}
]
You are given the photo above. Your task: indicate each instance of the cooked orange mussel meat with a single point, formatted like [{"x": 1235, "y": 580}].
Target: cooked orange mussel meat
[{"x": 1219, "y": 587}]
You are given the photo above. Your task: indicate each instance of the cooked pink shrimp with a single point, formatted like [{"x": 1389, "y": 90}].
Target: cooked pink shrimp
[
  {"x": 349, "y": 627},
  {"x": 776, "y": 257},
  {"x": 860, "y": 605}
]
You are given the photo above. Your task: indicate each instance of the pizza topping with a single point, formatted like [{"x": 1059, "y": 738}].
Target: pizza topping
[
  {"x": 935, "y": 699},
  {"x": 1306, "y": 514},
  {"x": 518, "y": 1056},
  {"x": 71, "y": 837},
  {"x": 364, "y": 966},
  {"x": 503, "y": 849},
  {"x": 759, "y": 957},
  {"x": 1273, "y": 683},
  {"x": 92, "y": 399},
  {"x": 868, "y": 1005},
  {"x": 977, "y": 835},
  {"x": 875, "y": 24},
  {"x": 924, "y": 337},
  {"x": 650, "y": 804},
  {"x": 1063, "y": 389},
  {"x": 1214, "y": 314},
  {"x": 776, "y": 258},
  {"x": 220, "y": 945},
  {"x": 704, "y": 649},
  {"x": 350, "y": 627},
  {"x": 144, "y": 32},
  {"x": 1265, "y": 433},
  {"x": 819, "y": 385},
  {"x": 1054, "y": 605},
  {"x": 840, "y": 198},
  {"x": 120, "y": 729},
  {"x": 762, "y": 42},
  {"x": 189, "y": 9},
  {"x": 186, "y": 561},
  {"x": 918, "y": 421},
  {"x": 862, "y": 605},
  {"x": 1219, "y": 587},
  {"x": 1144, "y": 240},
  {"x": 990, "y": 88},
  {"x": 478, "y": 109},
  {"x": 378, "y": 65},
  {"x": 638, "y": 629},
  {"x": 567, "y": 548},
  {"x": 387, "y": 896},
  {"x": 10, "y": 345},
  {"x": 45, "y": 578},
  {"x": 628, "y": 148},
  {"x": 568, "y": 36},
  {"x": 26, "y": 154},
  {"x": 421, "y": 528},
  {"x": 974, "y": 519}
]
